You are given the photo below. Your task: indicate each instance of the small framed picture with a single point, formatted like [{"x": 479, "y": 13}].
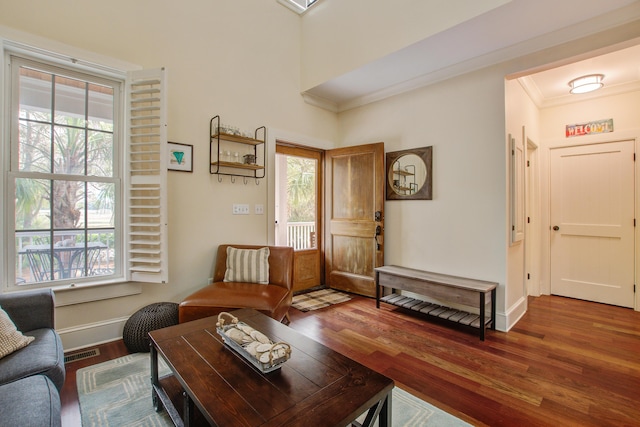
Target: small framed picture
[{"x": 180, "y": 157}]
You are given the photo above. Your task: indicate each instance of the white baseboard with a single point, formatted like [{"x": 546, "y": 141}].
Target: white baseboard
[
  {"x": 506, "y": 321},
  {"x": 92, "y": 334}
]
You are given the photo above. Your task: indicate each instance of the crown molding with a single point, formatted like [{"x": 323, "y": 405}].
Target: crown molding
[{"x": 320, "y": 102}]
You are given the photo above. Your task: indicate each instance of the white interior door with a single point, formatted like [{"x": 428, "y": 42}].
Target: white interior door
[{"x": 592, "y": 221}]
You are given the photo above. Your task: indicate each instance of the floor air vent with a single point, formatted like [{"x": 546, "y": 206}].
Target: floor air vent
[{"x": 85, "y": 354}]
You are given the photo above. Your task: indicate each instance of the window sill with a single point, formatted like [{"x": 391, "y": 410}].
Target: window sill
[{"x": 82, "y": 293}]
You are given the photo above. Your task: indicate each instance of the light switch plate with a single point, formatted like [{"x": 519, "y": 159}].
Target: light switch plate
[{"x": 259, "y": 209}]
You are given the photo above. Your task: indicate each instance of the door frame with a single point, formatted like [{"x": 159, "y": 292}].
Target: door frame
[
  {"x": 533, "y": 218},
  {"x": 293, "y": 149}
]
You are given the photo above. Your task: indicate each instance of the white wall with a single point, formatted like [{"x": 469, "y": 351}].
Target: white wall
[
  {"x": 462, "y": 230},
  {"x": 622, "y": 108},
  {"x": 238, "y": 59}
]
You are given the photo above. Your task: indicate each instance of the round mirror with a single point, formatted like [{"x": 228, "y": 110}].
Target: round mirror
[{"x": 407, "y": 175}]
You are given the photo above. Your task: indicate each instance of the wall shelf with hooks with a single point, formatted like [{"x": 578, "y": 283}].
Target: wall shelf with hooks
[{"x": 249, "y": 164}]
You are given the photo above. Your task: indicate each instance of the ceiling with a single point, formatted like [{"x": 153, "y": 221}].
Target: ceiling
[
  {"x": 621, "y": 71},
  {"x": 493, "y": 37}
]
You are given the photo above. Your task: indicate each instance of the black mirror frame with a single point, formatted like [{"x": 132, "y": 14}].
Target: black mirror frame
[{"x": 426, "y": 191}]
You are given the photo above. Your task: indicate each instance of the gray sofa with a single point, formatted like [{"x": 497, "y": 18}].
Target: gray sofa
[{"x": 32, "y": 377}]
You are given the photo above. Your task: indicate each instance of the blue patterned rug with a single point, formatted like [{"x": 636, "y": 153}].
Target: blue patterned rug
[
  {"x": 409, "y": 411},
  {"x": 118, "y": 393}
]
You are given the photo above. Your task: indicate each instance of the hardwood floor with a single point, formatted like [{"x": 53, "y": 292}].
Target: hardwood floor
[{"x": 566, "y": 362}]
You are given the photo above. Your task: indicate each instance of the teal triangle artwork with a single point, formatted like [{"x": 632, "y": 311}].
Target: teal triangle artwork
[{"x": 178, "y": 155}]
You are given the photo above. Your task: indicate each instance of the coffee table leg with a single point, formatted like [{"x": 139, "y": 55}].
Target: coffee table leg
[
  {"x": 381, "y": 410},
  {"x": 384, "y": 420},
  {"x": 188, "y": 409},
  {"x": 155, "y": 382}
]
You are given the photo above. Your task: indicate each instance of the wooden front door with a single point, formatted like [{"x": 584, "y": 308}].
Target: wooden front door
[
  {"x": 592, "y": 222},
  {"x": 354, "y": 214}
]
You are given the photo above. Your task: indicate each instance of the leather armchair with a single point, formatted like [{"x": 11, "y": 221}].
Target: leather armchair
[{"x": 273, "y": 299}]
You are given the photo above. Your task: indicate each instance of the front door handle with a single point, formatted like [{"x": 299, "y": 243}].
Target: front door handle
[
  {"x": 556, "y": 228},
  {"x": 378, "y": 232}
]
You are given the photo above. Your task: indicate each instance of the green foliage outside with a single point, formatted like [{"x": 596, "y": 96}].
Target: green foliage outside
[{"x": 301, "y": 189}]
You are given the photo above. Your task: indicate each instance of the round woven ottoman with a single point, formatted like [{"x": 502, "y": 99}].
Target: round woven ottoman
[{"x": 154, "y": 316}]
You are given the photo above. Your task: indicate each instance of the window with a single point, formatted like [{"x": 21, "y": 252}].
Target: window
[
  {"x": 71, "y": 195},
  {"x": 63, "y": 173},
  {"x": 298, "y": 6},
  {"x": 305, "y": 4}
]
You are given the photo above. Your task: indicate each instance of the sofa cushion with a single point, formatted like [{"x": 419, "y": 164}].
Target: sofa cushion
[
  {"x": 247, "y": 265},
  {"x": 30, "y": 402},
  {"x": 44, "y": 355},
  {"x": 226, "y": 296},
  {"x": 10, "y": 338}
]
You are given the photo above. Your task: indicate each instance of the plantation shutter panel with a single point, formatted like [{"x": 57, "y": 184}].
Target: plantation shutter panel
[{"x": 146, "y": 237}]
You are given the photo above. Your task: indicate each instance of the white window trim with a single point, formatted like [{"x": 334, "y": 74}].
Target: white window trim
[{"x": 66, "y": 55}]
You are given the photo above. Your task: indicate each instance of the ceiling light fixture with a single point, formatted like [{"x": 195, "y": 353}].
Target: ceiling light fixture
[{"x": 586, "y": 84}]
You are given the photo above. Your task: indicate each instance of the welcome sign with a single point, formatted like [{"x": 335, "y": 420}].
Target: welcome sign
[{"x": 598, "y": 126}]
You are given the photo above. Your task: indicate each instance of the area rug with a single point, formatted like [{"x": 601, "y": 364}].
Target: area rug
[
  {"x": 117, "y": 393},
  {"x": 318, "y": 299}
]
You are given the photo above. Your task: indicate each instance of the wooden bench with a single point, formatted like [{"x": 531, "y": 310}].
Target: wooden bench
[{"x": 442, "y": 287}]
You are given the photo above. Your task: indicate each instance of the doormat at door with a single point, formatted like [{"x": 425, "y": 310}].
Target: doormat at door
[{"x": 318, "y": 299}]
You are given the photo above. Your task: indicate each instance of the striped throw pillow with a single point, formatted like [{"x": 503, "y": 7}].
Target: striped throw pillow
[{"x": 247, "y": 265}]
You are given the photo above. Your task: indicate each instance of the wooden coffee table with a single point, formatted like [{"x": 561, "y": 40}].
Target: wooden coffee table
[{"x": 211, "y": 384}]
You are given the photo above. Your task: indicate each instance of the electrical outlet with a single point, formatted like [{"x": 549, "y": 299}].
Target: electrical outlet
[
  {"x": 240, "y": 209},
  {"x": 259, "y": 209}
]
